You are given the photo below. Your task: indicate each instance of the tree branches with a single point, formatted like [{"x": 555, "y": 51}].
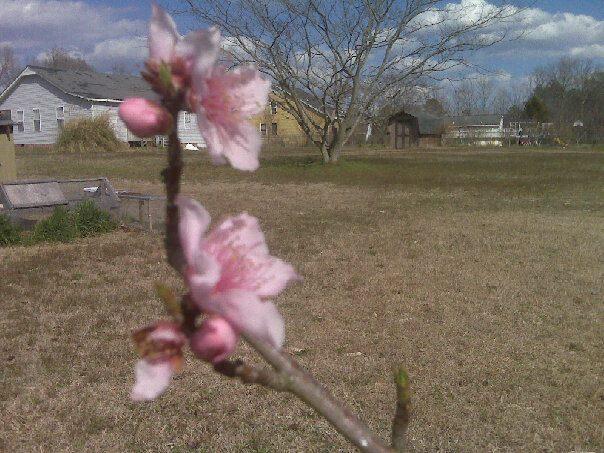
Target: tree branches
[{"x": 341, "y": 56}]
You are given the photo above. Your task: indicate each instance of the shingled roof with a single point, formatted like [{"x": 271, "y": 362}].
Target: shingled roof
[{"x": 95, "y": 85}]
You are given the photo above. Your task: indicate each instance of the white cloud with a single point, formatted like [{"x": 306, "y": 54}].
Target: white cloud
[
  {"x": 95, "y": 32},
  {"x": 542, "y": 33},
  {"x": 591, "y": 51},
  {"x": 555, "y": 35},
  {"x": 120, "y": 50}
]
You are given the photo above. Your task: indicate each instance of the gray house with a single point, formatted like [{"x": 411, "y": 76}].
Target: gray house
[{"x": 41, "y": 100}]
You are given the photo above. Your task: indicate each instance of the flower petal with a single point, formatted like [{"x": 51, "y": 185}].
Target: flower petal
[
  {"x": 250, "y": 315},
  {"x": 238, "y": 245},
  {"x": 163, "y": 35},
  {"x": 193, "y": 223},
  {"x": 249, "y": 88},
  {"x": 199, "y": 50},
  {"x": 237, "y": 142},
  {"x": 151, "y": 380}
]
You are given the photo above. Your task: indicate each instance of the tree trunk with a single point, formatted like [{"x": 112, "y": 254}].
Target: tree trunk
[
  {"x": 340, "y": 137},
  {"x": 334, "y": 152},
  {"x": 325, "y": 152}
]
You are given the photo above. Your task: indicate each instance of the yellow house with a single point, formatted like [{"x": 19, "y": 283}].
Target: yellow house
[{"x": 279, "y": 127}]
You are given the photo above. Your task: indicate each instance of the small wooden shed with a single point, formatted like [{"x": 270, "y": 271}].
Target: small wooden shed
[
  {"x": 403, "y": 130},
  {"x": 421, "y": 130}
]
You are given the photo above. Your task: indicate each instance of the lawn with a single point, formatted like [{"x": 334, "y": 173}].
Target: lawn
[{"x": 480, "y": 271}]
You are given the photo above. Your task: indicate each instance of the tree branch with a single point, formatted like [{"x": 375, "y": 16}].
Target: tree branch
[
  {"x": 171, "y": 176},
  {"x": 305, "y": 387},
  {"x": 249, "y": 374}
]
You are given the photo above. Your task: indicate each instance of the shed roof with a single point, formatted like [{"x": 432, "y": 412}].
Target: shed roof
[
  {"x": 95, "y": 85},
  {"x": 430, "y": 124},
  {"x": 427, "y": 123}
]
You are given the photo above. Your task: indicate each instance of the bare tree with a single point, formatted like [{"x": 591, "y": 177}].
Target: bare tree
[
  {"x": 464, "y": 98},
  {"x": 8, "y": 66},
  {"x": 59, "y": 58},
  {"x": 568, "y": 72},
  {"x": 569, "y": 89},
  {"x": 341, "y": 56},
  {"x": 513, "y": 94},
  {"x": 484, "y": 94}
]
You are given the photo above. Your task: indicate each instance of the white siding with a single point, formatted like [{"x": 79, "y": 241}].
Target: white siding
[
  {"x": 32, "y": 92},
  {"x": 188, "y": 132},
  {"x": 110, "y": 109}
]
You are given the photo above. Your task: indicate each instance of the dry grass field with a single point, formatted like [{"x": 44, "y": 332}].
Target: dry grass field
[{"x": 481, "y": 271}]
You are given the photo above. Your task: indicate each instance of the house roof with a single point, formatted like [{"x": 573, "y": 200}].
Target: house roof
[
  {"x": 91, "y": 85},
  {"x": 303, "y": 96},
  {"x": 95, "y": 85}
]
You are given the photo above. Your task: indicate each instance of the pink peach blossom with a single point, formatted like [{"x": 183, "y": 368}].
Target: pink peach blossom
[
  {"x": 197, "y": 51},
  {"x": 214, "y": 340},
  {"x": 230, "y": 272},
  {"x": 145, "y": 118},
  {"x": 160, "y": 347},
  {"x": 224, "y": 102}
]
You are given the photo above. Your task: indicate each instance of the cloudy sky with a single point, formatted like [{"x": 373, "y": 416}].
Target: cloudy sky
[{"x": 106, "y": 32}]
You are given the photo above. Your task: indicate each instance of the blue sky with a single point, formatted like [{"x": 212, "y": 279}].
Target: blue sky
[{"x": 106, "y": 32}]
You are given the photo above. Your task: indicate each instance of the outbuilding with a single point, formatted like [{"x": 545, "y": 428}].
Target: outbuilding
[{"x": 406, "y": 130}]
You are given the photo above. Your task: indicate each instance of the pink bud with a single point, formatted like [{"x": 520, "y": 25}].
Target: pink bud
[
  {"x": 145, "y": 118},
  {"x": 215, "y": 340}
]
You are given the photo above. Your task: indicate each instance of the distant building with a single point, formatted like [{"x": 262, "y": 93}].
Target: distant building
[
  {"x": 279, "y": 127},
  {"x": 41, "y": 100},
  {"x": 415, "y": 128},
  {"x": 406, "y": 130},
  {"x": 475, "y": 130}
]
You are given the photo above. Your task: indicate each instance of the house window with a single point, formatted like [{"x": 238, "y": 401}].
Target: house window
[
  {"x": 274, "y": 128},
  {"x": 60, "y": 117},
  {"x": 273, "y": 107},
  {"x": 262, "y": 128},
  {"x": 37, "y": 122},
  {"x": 19, "y": 120}
]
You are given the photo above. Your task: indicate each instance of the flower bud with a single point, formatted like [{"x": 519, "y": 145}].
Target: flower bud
[
  {"x": 145, "y": 118},
  {"x": 214, "y": 341}
]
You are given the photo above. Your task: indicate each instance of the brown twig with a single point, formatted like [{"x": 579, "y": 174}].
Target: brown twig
[
  {"x": 249, "y": 374},
  {"x": 400, "y": 423},
  {"x": 305, "y": 387},
  {"x": 172, "y": 175}
]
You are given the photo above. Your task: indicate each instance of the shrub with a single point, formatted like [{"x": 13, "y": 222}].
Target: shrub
[
  {"x": 88, "y": 135},
  {"x": 89, "y": 220},
  {"x": 10, "y": 234},
  {"x": 59, "y": 227}
]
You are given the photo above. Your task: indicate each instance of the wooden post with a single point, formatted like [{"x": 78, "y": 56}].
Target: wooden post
[{"x": 8, "y": 170}]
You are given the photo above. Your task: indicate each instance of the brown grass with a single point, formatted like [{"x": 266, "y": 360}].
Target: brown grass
[{"x": 488, "y": 289}]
